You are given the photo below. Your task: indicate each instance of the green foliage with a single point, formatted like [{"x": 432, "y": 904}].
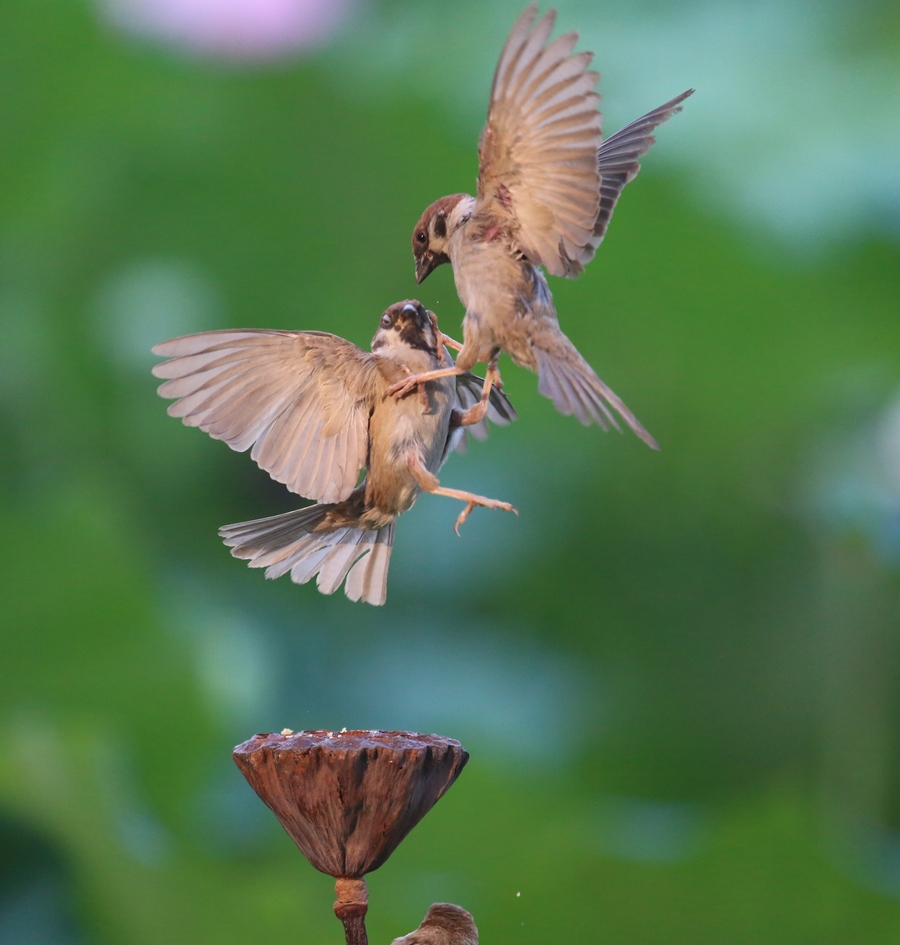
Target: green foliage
[{"x": 664, "y": 668}]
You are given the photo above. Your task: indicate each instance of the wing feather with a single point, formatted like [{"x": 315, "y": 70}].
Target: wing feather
[
  {"x": 538, "y": 151},
  {"x": 324, "y": 462},
  {"x": 300, "y": 399},
  {"x": 618, "y": 163}
]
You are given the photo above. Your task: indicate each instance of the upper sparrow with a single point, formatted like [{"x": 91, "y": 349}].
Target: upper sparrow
[
  {"x": 547, "y": 187},
  {"x": 313, "y": 407}
]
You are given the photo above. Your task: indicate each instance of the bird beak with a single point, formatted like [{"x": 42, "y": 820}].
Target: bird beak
[{"x": 424, "y": 265}]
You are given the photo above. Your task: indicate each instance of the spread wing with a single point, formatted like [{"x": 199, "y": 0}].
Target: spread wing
[
  {"x": 301, "y": 399},
  {"x": 618, "y": 164},
  {"x": 538, "y": 151}
]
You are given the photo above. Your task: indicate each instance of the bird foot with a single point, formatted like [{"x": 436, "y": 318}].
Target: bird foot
[
  {"x": 450, "y": 343},
  {"x": 476, "y": 500},
  {"x": 402, "y": 388}
]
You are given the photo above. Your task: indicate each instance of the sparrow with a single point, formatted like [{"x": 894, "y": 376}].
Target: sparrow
[
  {"x": 314, "y": 408},
  {"x": 444, "y": 924},
  {"x": 547, "y": 187}
]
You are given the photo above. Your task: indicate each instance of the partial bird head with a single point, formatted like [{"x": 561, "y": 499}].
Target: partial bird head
[
  {"x": 432, "y": 233},
  {"x": 444, "y": 924},
  {"x": 407, "y": 324}
]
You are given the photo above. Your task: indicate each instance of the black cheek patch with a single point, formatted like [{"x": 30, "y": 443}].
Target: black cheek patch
[
  {"x": 412, "y": 335},
  {"x": 440, "y": 226}
]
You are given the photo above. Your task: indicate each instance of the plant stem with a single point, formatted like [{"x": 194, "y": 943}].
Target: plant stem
[
  {"x": 351, "y": 907},
  {"x": 355, "y": 930}
]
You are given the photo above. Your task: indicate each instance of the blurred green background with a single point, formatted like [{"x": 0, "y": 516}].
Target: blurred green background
[{"x": 677, "y": 673}]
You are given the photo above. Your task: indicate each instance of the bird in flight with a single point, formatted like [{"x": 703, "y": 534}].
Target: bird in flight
[
  {"x": 314, "y": 408},
  {"x": 547, "y": 188}
]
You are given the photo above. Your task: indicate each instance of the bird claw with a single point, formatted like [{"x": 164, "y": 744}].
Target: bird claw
[
  {"x": 485, "y": 503},
  {"x": 493, "y": 373},
  {"x": 461, "y": 518},
  {"x": 402, "y": 388}
]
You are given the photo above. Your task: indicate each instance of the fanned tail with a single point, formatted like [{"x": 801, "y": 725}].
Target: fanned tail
[
  {"x": 570, "y": 382},
  {"x": 319, "y": 540}
]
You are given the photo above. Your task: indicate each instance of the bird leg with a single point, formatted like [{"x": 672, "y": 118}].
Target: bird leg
[
  {"x": 401, "y": 388},
  {"x": 423, "y": 394},
  {"x": 440, "y": 338},
  {"x": 430, "y": 483},
  {"x": 475, "y": 413}
]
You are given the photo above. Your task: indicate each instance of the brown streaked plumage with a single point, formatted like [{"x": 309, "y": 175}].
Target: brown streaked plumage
[
  {"x": 547, "y": 188},
  {"x": 444, "y": 924},
  {"x": 314, "y": 408}
]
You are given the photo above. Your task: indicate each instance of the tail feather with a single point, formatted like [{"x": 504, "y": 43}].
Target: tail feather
[
  {"x": 336, "y": 565},
  {"x": 275, "y": 528},
  {"x": 288, "y": 542},
  {"x": 308, "y": 566},
  {"x": 573, "y": 396},
  {"x": 367, "y": 579},
  {"x": 570, "y": 382},
  {"x": 282, "y": 559}
]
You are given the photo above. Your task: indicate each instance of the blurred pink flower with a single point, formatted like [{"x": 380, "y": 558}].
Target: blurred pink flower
[{"x": 237, "y": 29}]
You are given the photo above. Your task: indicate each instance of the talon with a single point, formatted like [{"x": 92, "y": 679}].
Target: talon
[
  {"x": 401, "y": 388},
  {"x": 461, "y": 518},
  {"x": 485, "y": 503}
]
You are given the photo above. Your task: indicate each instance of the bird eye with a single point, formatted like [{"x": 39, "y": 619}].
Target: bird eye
[
  {"x": 385, "y": 320},
  {"x": 420, "y": 236}
]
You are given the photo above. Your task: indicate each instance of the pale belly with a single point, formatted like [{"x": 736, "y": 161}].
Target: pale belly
[
  {"x": 402, "y": 430},
  {"x": 498, "y": 292}
]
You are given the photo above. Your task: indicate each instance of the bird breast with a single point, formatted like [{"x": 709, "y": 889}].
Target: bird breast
[
  {"x": 486, "y": 272},
  {"x": 505, "y": 296},
  {"x": 399, "y": 428}
]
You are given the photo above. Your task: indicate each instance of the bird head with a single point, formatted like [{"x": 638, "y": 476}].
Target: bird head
[
  {"x": 407, "y": 324},
  {"x": 444, "y": 924},
  {"x": 432, "y": 234}
]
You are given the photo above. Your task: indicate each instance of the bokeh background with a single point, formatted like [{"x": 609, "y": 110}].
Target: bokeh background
[{"x": 677, "y": 673}]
